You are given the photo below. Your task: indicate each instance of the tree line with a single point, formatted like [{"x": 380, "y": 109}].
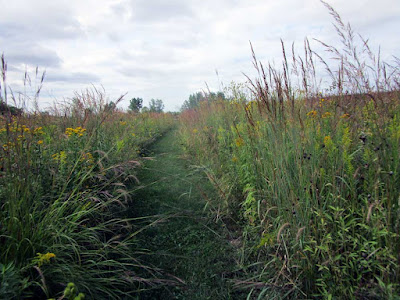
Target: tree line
[{"x": 199, "y": 97}]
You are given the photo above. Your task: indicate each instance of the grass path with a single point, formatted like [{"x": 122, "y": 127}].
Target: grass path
[{"x": 187, "y": 244}]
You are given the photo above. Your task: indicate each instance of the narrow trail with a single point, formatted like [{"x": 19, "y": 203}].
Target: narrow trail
[{"x": 186, "y": 243}]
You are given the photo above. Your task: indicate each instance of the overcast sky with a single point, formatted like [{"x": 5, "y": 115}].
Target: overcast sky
[{"x": 169, "y": 49}]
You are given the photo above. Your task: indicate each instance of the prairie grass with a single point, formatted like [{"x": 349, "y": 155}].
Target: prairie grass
[
  {"x": 64, "y": 184},
  {"x": 309, "y": 173}
]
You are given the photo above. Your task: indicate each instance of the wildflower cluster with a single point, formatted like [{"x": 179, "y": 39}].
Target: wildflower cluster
[
  {"x": 37, "y": 131},
  {"x": 312, "y": 114},
  {"x": 78, "y": 131},
  {"x": 8, "y": 146}
]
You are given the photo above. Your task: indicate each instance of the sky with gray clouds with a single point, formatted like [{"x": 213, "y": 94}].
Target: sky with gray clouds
[{"x": 169, "y": 49}]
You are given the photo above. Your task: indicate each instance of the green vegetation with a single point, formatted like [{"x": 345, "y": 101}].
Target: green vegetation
[
  {"x": 63, "y": 191},
  {"x": 268, "y": 190},
  {"x": 311, "y": 178}
]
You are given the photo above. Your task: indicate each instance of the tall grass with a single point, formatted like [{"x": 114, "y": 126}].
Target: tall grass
[
  {"x": 310, "y": 173},
  {"x": 64, "y": 184}
]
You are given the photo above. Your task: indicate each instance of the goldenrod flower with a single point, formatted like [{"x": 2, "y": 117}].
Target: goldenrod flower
[
  {"x": 40, "y": 259},
  {"x": 79, "y": 131}
]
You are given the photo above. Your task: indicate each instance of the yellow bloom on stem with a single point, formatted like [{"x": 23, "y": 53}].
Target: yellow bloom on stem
[
  {"x": 41, "y": 259},
  {"x": 40, "y": 142}
]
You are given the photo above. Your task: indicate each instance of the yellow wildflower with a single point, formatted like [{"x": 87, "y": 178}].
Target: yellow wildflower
[
  {"x": 234, "y": 159},
  {"x": 61, "y": 157},
  {"x": 40, "y": 142},
  {"x": 40, "y": 259},
  {"x": 195, "y": 130},
  {"x": 312, "y": 113},
  {"x": 239, "y": 142},
  {"x": 79, "y": 131},
  {"x": 122, "y": 123},
  {"x": 38, "y": 130},
  {"x": 8, "y": 146}
]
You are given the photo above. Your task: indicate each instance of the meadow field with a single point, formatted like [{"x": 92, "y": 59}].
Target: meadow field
[{"x": 301, "y": 198}]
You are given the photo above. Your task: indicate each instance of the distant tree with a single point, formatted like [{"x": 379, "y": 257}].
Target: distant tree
[
  {"x": 220, "y": 96},
  {"x": 145, "y": 109},
  {"x": 135, "y": 104},
  {"x": 156, "y": 105},
  {"x": 195, "y": 99}
]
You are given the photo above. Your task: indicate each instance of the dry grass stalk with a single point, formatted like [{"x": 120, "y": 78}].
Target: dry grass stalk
[{"x": 278, "y": 237}]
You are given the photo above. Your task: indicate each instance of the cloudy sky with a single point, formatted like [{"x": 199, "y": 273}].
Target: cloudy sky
[{"x": 169, "y": 49}]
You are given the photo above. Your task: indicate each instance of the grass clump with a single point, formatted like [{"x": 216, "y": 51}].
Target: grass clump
[{"x": 63, "y": 189}]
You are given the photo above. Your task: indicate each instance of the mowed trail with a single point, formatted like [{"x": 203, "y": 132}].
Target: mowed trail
[{"x": 185, "y": 243}]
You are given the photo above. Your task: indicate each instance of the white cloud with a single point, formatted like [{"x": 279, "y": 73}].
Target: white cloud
[{"x": 169, "y": 49}]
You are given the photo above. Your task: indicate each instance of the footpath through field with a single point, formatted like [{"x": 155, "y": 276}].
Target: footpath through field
[{"x": 186, "y": 244}]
